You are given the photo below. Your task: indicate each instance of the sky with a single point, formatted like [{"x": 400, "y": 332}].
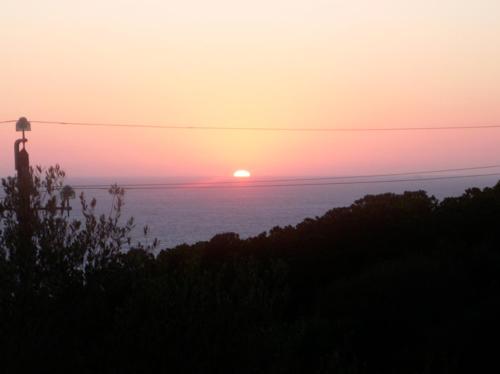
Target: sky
[{"x": 277, "y": 63}]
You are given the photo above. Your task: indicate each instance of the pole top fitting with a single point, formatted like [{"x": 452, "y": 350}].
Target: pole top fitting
[{"x": 23, "y": 125}]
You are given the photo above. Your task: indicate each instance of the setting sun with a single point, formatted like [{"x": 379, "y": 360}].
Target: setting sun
[{"x": 241, "y": 174}]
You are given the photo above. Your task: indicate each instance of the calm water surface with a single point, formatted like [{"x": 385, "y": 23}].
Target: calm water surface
[{"x": 179, "y": 216}]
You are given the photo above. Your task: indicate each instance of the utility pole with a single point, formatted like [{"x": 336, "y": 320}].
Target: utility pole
[
  {"x": 25, "y": 255},
  {"x": 24, "y": 181}
]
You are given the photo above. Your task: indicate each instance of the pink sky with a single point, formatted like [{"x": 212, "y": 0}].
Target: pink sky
[{"x": 309, "y": 63}]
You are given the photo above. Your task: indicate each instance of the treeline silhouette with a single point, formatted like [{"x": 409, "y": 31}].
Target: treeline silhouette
[{"x": 394, "y": 283}]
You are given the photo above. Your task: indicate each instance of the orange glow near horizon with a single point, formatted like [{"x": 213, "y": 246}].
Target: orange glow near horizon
[{"x": 278, "y": 63}]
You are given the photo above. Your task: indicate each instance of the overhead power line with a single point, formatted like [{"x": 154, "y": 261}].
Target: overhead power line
[
  {"x": 164, "y": 187},
  {"x": 272, "y": 128},
  {"x": 290, "y": 129},
  {"x": 279, "y": 180}
]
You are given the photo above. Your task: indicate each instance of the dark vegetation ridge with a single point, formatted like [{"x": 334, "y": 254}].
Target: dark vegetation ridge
[{"x": 392, "y": 284}]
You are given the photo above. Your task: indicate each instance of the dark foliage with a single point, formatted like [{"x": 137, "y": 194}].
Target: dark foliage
[{"x": 391, "y": 284}]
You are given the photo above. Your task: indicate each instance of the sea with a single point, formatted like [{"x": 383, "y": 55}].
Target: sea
[{"x": 197, "y": 212}]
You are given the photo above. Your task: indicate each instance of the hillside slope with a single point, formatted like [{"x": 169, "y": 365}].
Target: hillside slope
[{"x": 391, "y": 284}]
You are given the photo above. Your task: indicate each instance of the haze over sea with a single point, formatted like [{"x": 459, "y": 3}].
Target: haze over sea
[{"x": 189, "y": 215}]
